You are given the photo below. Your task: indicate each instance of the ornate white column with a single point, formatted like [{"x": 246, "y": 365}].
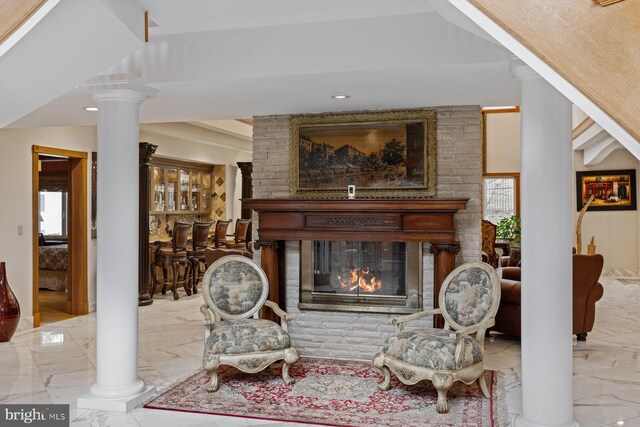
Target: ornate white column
[
  {"x": 547, "y": 236},
  {"x": 117, "y": 386}
]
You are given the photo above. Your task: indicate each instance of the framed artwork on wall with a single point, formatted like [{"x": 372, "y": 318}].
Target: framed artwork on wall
[
  {"x": 614, "y": 190},
  {"x": 390, "y": 154}
]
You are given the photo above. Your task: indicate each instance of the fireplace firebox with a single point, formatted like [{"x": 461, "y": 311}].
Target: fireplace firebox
[{"x": 379, "y": 277}]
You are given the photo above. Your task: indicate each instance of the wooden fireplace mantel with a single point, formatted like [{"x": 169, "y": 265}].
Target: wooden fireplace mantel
[{"x": 402, "y": 220}]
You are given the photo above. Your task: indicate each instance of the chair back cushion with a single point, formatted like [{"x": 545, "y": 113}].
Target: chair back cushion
[
  {"x": 200, "y": 234},
  {"x": 220, "y": 237},
  {"x": 235, "y": 287},
  {"x": 242, "y": 230},
  {"x": 180, "y": 236},
  {"x": 470, "y": 294}
]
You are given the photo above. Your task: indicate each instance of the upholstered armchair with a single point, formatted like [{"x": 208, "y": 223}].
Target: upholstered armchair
[
  {"x": 468, "y": 299},
  {"x": 235, "y": 289}
]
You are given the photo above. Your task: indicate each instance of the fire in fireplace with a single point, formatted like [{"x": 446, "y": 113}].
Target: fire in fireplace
[{"x": 361, "y": 276}]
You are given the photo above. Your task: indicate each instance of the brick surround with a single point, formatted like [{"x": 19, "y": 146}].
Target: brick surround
[{"x": 355, "y": 335}]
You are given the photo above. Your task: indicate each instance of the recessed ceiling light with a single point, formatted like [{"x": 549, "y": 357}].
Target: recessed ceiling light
[
  {"x": 90, "y": 108},
  {"x": 620, "y": 423},
  {"x": 340, "y": 96}
]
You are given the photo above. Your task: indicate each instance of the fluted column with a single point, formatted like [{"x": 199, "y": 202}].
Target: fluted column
[
  {"x": 117, "y": 386},
  {"x": 547, "y": 227}
]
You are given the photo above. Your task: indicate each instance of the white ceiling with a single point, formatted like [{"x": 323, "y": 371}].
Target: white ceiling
[{"x": 239, "y": 58}]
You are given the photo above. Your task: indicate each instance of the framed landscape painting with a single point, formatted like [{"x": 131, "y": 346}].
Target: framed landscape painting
[
  {"x": 383, "y": 154},
  {"x": 614, "y": 190}
]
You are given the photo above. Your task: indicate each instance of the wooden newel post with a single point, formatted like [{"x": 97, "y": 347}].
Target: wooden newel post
[
  {"x": 269, "y": 262},
  {"x": 144, "y": 275},
  {"x": 443, "y": 263}
]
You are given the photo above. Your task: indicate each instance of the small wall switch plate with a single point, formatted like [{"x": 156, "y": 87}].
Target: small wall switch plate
[
  {"x": 20, "y": 230},
  {"x": 351, "y": 191}
]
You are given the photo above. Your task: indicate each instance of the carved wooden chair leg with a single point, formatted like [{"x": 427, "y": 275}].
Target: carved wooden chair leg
[
  {"x": 378, "y": 362},
  {"x": 290, "y": 357},
  {"x": 442, "y": 383},
  {"x": 581, "y": 336},
  {"x": 214, "y": 384},
  {"x": 211, "y": 365},
  {"x": 194, "y": 275},
  {"x": 165, "y": 279},
  {"x": 483, "y": 386},
  {"x": 187, "y": 274},
  {"x": 154, "y": 282},
  {"x": 175, "y": 268}
]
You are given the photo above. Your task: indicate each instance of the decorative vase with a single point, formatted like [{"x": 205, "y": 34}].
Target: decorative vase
[{"x": 9, "y": 307}]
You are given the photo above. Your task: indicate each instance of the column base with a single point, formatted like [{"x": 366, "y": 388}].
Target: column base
[
  {"x": 115, "y": 404},
  {"x": 519, "y": 421}
]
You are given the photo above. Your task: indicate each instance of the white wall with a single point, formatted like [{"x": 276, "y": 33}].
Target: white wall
[
  {"x": 616, "y": 232},
  {"x": 16, "y": 183},
  {"x": 15, "y": 201},
  {"x": 503, "y": 142}
]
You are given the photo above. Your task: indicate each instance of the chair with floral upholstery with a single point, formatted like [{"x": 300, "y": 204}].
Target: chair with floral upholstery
[
  {"x": 235, "y": 289},
  {"x": 468, "y": 300}
]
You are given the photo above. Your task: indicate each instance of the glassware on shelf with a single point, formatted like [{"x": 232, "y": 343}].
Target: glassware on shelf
[
  {"x": 158, "y": 188},
  {"x": 184, "y": 190},
  {"x": 195, "y": 191},
  {"x": 172, "y": 182},
  {"x": 206, "y": 191}
]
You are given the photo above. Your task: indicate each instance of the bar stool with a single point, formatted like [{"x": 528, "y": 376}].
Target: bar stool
[
  {"x": 173, "y": 257},
  {"x": 220, "y": 236},
  {"x": 242, "y": 235},
  {"x": 200, "y": 238}
]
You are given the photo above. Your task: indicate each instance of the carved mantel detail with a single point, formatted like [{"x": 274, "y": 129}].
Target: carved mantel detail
[
  {"x": 427, "y": 220},
  {"x": 355, "y": 221}
]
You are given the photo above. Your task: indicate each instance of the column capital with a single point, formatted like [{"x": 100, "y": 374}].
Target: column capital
[
  {"x": 246, "y": 168},
  {"x": 146, "y": 152},
  {"x": 119, "y": 87},
  {"x": 520, "y": 70}
]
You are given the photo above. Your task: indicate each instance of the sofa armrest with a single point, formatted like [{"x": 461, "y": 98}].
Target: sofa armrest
[
  {"x": 510, "y": 291},
  {"x": 511, "y": 273}
]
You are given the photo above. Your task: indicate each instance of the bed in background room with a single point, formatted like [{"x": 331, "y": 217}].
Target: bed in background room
[{"x": 54, "y": 266}]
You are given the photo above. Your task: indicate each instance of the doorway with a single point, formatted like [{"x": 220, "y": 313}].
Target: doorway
[{"x": 59, "y": 234}]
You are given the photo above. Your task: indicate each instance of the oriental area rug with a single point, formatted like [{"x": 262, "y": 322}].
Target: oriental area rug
[{"x": 336, "y": 393}]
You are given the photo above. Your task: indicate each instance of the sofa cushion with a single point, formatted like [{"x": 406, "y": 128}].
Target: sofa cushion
[
  {"x": 431, "y": 348},
  {"x": 510, "y": 291},
  {"x": 246, "y": 336}
]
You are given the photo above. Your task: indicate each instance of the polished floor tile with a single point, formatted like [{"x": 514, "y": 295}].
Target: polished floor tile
[{"x": 56, "y": 363}]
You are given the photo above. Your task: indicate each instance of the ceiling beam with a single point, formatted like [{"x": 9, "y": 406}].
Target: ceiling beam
[{"x": 598, "y": 152}]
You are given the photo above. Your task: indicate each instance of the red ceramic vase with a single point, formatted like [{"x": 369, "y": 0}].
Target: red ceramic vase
[{"x": 9, "y": 307}]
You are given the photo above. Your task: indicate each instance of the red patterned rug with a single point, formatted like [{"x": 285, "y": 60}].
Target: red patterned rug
[{"x": 334, "y": 392}]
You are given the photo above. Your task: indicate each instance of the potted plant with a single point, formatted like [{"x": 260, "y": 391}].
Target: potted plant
[{"x": 509, "y": 229}]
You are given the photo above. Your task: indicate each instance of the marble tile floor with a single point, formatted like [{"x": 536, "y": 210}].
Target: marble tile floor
[{"x": 56, "y": 364}]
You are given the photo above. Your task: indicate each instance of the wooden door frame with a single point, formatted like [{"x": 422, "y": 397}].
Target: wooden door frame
[{"x": 77, "y": 292}]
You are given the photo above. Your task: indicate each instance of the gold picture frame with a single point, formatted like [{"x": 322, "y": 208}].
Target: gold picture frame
[{"x": 388, "y": 154}]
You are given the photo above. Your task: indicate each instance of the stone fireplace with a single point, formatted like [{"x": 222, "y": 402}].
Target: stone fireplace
[{"x": 351, "y": 334}]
